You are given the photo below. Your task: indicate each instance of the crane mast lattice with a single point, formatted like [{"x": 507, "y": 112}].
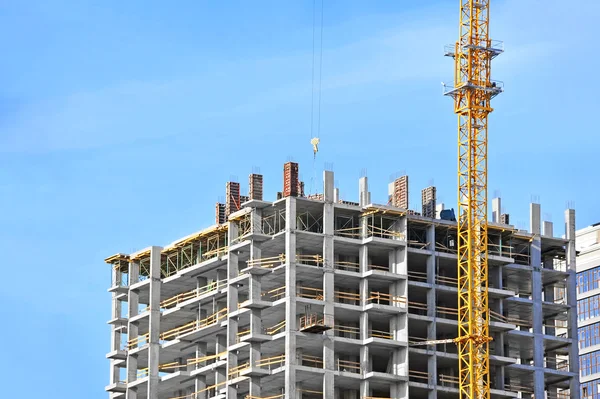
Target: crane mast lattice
[{"x": 472, "y": 92}]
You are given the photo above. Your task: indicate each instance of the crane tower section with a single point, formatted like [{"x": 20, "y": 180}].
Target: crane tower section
[{"x": 472, "y": 92}]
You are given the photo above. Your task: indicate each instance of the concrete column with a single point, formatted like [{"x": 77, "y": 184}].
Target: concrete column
[
  {"x": 115, "y": 341},
  {"x": 548, "y": 229},
  {"x": 399, "y": 390},
  {"x": 496, "y": 210},
  {"x": 297, "y": 391},
  {"x": 154, "y": 322},
  {"x": 365, "y": 390},
  {"x": 115, "y": 331},
  {"x": 431, "y": 269},
  {"x": 290, "y": 304},
  {"x": 132, "y": 328},
  {"x": 363, "y": 191},
  {"x": 538, "y": 340},
  {"x": 572, "y": 300},
  {"x": 535, "y": 219},
  {"x": 220, "y": 346},
  {"x": 363, "y": 257},
  {"x": 328, "y": 284},
  {"x": 232, "y": 306},
  {"x": 200, "y": 384},
  {"x": 398, "y": 261},
  {"x": 365, "y": 365},
  {"x": 201, "y": 282},
  {"x": 254, "y": 357},
  {"x": 336, "y": 195},
  {"x": 232, "y": 261},
  {"x": 221, "y": 274},
  {"x": 363, "y": 289},
  {"x": 495, "y": 276},
  {"x": 256, "y": 219},
  {"x": 399, "y": 328},
  {"x": 201, "y": 351},
  {"x": 255, "y": 351}
]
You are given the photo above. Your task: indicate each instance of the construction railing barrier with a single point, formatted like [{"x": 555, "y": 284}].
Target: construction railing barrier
[
  {"x": 417, "y": 244},
  {"x": 272, "y": 362},
  {"x": 312, "y": 361},
  {"x": 348, "y": 366},
  {"x": 421, "y": 376},
  {"x": 374, "y": 231},
  {"x": 194, "y": 325},
  {"x": 381, "y": 298},
  {"x": 348, "y": 266},
  {"x": 380, "y": 334},
  {"x": 162, "y": 367},
  {"x": 380, "y": 268},
  {"x": 210, "y": 392},
  {"x": 186, "y": 296},
  {"x": 242, "y": 333},
  {"x": 267, "y": 263},
  {"x": 349, "y": 232},
  {"x": 349, "y": 298},
  {"x": 309, "y": 293},
  {"x": 277, "y": 328},
  {"x": 518, "y": 388},
  {"x": 175, "y": 332},
  {"x": 441, "y": 280},
  {"x": 346, "y": 331},
  {"x": 311, "y": 260},
  {"x": 311, "y": 320},
  {"x": 274, "y": 294},
  {"x": 494, "y": 316},
  {"x": 234, "y": 372},
  {"x": 205, "y": 359}
]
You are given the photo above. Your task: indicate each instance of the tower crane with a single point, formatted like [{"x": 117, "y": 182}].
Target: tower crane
[{"x": 472, "y": 92}]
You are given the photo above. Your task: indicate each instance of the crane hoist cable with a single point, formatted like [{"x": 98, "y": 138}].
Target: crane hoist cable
[{"x": 315, "y": 139}]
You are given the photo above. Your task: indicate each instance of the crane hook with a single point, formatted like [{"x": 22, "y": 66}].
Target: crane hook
[{"x": 315, "y": 143}]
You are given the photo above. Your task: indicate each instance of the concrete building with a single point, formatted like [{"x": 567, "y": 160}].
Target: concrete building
[
  {"x": 588, "y": 309},
  {"x": 312, "y": 297}
]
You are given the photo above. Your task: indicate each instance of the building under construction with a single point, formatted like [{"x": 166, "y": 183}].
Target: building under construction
[{"x": 309, "y": 296}]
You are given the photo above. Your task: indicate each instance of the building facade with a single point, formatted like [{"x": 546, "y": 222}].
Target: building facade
[
  {"x": 588, "y": 309},
  {"x": 313, "y": 297}
]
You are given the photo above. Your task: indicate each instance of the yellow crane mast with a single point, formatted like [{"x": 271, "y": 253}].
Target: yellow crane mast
[{"x": 473, "y": 89}]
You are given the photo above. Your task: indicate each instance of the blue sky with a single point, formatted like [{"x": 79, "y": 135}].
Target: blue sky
[{"x": 120, "y": 123}]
